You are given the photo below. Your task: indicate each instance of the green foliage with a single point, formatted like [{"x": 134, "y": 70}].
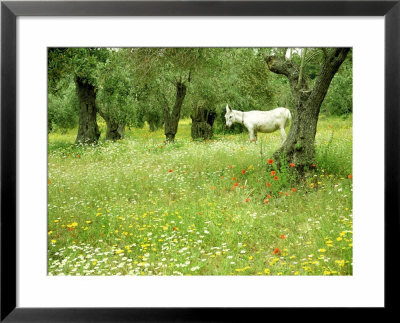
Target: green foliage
[
  {"x": 76, "y": 62},
  {"x": 339, "y": 99},
  {"x": 62, "y": 107},
  {"x": 116, "y": 99}
]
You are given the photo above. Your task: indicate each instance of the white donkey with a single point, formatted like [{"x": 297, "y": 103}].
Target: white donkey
[{"x": 260, "y": 121}]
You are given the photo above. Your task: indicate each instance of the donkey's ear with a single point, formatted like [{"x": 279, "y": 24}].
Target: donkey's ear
[{"x": 227, "y": 108}]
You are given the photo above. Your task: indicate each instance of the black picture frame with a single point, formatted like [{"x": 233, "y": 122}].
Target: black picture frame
[{"x": 10, "y": 10}]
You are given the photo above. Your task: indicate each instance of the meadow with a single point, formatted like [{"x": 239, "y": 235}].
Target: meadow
[{"x": 217, "y": 207}]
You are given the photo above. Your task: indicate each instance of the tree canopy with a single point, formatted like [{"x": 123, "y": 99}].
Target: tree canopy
[{"x": 132, "y": 86}]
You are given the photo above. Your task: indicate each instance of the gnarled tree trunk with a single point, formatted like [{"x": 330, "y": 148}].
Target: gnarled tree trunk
[
  {"x": 115, "y": 129},
  {"x": 88, "y": 131},
  {"x": 299, "y": 145},
  {"x": 171, "y": 120},
  {"x": 202, "y": 123}
]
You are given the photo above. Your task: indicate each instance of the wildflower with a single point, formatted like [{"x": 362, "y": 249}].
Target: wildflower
[
  {"x": 170, "y": 171},
  {"x": 267, "y": 271},
  {"x": 276, "y": 251},
  {"x": 294, "y": 190},
  {"x": 269, "y": 196},
  {"x": 247, "y": 200},
  {"x": 236, "y": 184},
  {"x": 292, "y": 165},
  {"x": 312, "y": 185},
  {"x": 53, "y": 241},
  {"x": 349, "y": 176},
  {"x": 243, "y": 171},
  {"x": 270, "y": 161},
  {"x": 79, "y": 156},
  {"x": 276, "y": 178},
  {"x": 233, "y": 178},
  {"x": 313, "y": 165},
  {"x": 266, "y": 201},
  {"x": 250, "y": 167},
  {"x": 273, "y": 173},
  {"x": 269, "y": 184},
  {"x": 283, "y": 236}
]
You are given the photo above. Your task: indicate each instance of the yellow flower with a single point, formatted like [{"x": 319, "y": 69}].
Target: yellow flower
[
  {"x": 321, "y": 250},
  {"x": 53, "y": 241}
]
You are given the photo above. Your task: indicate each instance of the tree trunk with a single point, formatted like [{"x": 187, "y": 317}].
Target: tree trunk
[
  {"x": 115, "y": 129},
  {"x": 88, "y": 131},
  {"x": 172, "y": 119},
  {"x": 299, "y": 145},
  {"x": 202, "y": 123}
]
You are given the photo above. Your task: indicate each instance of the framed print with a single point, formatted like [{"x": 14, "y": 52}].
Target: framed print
[{"x": 111, "y": 212}]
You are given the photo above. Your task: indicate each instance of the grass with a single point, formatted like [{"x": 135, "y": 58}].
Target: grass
[{"x": 140, "y": 207}]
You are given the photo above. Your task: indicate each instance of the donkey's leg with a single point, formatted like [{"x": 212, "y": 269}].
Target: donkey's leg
[
  {"x": 253, "y": 137},
  {"x": 283, "y": 134}
]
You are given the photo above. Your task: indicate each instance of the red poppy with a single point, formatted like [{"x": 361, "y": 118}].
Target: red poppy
[
  {"x": 349, "y": 176},
  {"x": 269, "y": 196},
  {"x": 233, "y": 178},
  {"x": 273, "y": 173},
  {"x": 292, "y": 165},
  {"x": 79, "y": 156},
  {"x": 269, "y": 184},
  {"x": 276, "y": 251},
  {"x": 270, "y": 161},
  {"x": 170, "y": 171},
  {"x": 266, "y": 201},
  {"x": 283, "y": 236},
  {"x": 313, "y": 165},
  {"x": 71, "y": 229},
  {"x": 243, "y": 171},
  {"x": 236, "y": 184},
  {"x": 247, "y": 200},
  {"x": 276, "y": 178},
  {"x": 294, "y": 190},
  {"x": 230, "y": 167}
]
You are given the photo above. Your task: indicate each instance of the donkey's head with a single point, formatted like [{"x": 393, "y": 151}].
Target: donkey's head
[{"x": 229, "y": 116}]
